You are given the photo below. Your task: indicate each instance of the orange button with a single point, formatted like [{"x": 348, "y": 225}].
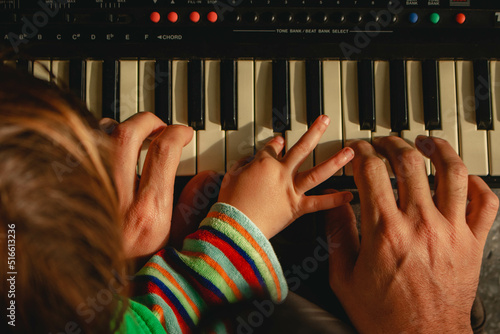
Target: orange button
[
  {"x": 155, "y": 17},
  {"x": 172, "y": 17},
  {"x": 212, "y": 17},
  {"x": 194, "y": 17},
  {"x": 460, "y": 18}
]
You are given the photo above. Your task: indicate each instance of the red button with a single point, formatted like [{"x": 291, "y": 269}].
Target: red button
[
  {"x": 212, "y": 17},
  {"x": 460, "y": 18},
  {"x": 172, "y": 17},
  {"x": 194, "y": 17},
  {"x": 155, "y": 17}
]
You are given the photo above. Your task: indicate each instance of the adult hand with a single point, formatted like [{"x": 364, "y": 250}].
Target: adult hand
[
  {"x": 417, "y": 266},
  {"x": 146, "y": 203},
  {"x": 271, "y": 191}
]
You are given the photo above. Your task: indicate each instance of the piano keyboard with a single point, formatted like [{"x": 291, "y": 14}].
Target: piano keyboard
[{"x": 235, "y": 106}]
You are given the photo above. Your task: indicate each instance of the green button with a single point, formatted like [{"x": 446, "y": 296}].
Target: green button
[{"x": 435, "y": 18}]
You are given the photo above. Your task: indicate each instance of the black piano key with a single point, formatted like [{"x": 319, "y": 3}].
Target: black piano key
[
  {"x": 430, "y": 85},
  {"x": 314, "y": 90},
  {"x": 366, "y": 95},
  {"x": 111, "y": 89},
  {"x": 281, "y": 96},
  {"x": 196, "y": 95},
  {"x": 77, "y": 77},
  {"x": 22, "y": 65},
  {"x": 482, "y": 91},
  {"x": 163, "y": 90},
  {"x": 399, "y": 99},
  {"x": 228, "y": 95}
]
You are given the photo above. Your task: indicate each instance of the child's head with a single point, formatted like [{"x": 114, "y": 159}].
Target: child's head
[{"x": 56, "y": 193}]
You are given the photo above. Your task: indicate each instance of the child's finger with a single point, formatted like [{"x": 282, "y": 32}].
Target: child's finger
[
  {"x": 306, "y": 144},
  {"x": 311, "y": 178},
  {"x": 273, "y": 147},
  {"x": 240, "y": 163},
  {"x": 310, "y": 204}
]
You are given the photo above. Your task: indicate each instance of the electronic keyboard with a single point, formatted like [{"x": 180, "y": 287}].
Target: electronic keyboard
[{"x": 242, "y": 71}]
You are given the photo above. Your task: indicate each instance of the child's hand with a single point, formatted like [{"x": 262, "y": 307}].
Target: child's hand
[
  {"x": 270, "y": 191},
  {"x": 146, "y": 203}
]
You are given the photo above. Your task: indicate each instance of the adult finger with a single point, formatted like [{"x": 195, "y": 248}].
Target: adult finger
[
  {"x": 306, "y": 144},
  {"x": 128, "y": 138},
  {"x": 374, "y": 185},
  {"x": 160, "y": 166},
  {"x": 343, "y": 241},
  {"x": 482, "y": 208},
  {"x": 313, "y": 177},
  {"x": 409, "y": 167},
  {"x": 316, "y": 203},
  {"x": 451, "y": 191}
]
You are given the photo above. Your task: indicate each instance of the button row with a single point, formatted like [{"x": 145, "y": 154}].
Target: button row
[
  {"x": 173, "y": 17},
  {"x": 301, "y": 17},
  {"x": 269, "y": 17},
  {"x": 435, "y": 18}
]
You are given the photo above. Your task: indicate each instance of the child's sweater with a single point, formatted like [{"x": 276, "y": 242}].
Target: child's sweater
[{"x": 227, "y": 260}]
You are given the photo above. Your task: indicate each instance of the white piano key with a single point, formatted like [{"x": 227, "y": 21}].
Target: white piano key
[
  {"x": 473, "y": 142},
  {"x": 331, "y": 142},
  {"x": 129, "y": 83},
  {"x": 146, "y": 101},
  {"x": 60, "y": 70},
  {"x": 147, "y": 85},
  {"x": 240, "y": 143},
  {"x": 494, "y": 135},
  {"x": 350, "y": 106},
  {"x": 263, "y": 102},
  {"x": 448, "y": 98},
  {"x": 187, "y": 165},
  {"x": 41, "y": 69},
  {"x": 10, "y": 63},
  {"x": 211, "y": 141},
  {"x": 416, "y": 120},
  {"x": 298, "y": 109},
  {"x": 382, "y": 100},
  {"x": 93, "y": 95},
  {"x": 383, "y": 105}
]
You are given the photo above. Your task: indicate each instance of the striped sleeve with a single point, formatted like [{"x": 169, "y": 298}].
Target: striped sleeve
[{"x": 227, "y": 260}]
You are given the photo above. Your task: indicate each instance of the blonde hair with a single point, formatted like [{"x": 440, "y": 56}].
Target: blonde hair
[{"x": 56, "y": 189}]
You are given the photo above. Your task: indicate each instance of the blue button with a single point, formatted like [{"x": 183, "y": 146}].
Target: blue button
[{"x": 413, "y": 17}]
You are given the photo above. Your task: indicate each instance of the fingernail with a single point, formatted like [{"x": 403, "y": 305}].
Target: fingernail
[
  {"x": 421, "y": 137},
  {"x": 279, "y": 140},
  {"x": 349, "y": 153},
  {"x": 325, "y": 119},
  {"x": 348, "y": 197}
]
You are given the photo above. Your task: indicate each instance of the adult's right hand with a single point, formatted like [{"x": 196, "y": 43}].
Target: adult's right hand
[
  {"x": 146, "y": 203},
  {"x": 416, "y": 268}
]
